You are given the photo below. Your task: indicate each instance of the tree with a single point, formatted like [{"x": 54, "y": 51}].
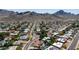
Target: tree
[
  {"x": 8, "y": 43},
  {"x": 52, "y": 40},
  {"x": 18, "y": 48},
  {"x": 43, "y": 34},
  {"x": 62, "y": 32}
]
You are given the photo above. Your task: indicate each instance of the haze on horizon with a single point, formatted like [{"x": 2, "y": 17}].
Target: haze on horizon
[{"x": 75, "y": 11}]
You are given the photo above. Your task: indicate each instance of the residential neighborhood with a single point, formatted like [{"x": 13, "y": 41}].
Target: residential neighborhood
[{"x": 38, "y": 36}]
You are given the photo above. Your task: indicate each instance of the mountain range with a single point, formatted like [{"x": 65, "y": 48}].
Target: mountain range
[{"x": 6, "y": 15}]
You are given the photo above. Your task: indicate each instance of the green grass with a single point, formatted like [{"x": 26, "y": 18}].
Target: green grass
[
  {"x": 18, "y": 48},
  {"x": 77, "y": 48}
]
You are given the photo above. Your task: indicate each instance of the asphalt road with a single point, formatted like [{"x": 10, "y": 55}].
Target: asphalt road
[
  {"x": 30, "y": 42},
  {"x": 27, "y": 45},
  {"x": 73, "y": 44}
]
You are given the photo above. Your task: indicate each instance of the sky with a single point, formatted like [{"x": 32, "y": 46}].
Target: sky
[{"x": 75, "y": 11}]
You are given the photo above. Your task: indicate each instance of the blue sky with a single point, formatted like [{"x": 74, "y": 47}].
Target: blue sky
[{"x": 75, "y": 11}]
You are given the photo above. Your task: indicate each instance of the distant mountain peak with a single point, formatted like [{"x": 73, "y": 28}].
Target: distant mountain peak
[
  {"x": 5, "y": 12},
  {"x": 62, "y": 12}
]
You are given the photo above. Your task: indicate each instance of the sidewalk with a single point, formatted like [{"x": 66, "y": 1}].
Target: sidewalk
[{"x": 77, "y": 45}]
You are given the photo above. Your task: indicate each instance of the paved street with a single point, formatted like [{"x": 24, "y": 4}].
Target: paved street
[
  {"x": 27, "y": 45},
  {"x": 73, "y": 44},
  {"x": 30, "y": 41}
]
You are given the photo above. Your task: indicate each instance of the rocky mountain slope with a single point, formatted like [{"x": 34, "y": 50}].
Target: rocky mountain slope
[{"x": 6, "y": 15}]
